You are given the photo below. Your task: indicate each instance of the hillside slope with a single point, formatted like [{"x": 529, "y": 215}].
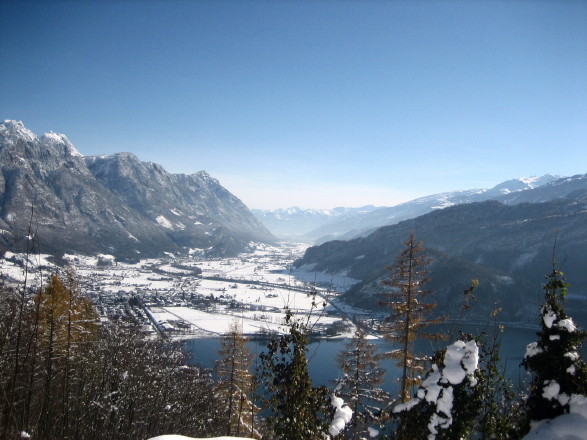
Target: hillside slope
[{"x": 508, "y": 248}]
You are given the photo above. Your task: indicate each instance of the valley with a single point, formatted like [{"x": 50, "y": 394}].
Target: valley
[{"x": 191, "y": 297}]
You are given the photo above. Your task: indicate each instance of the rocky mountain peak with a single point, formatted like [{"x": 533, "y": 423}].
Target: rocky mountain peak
[
  {"x": 520, "y": 184},
  {"x": 11, "y": 130},
  {"x": 57, "y": 140},
  {"x": 113, "y": 204}
]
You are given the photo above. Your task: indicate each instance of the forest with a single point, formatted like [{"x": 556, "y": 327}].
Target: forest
[{"x": 66, "y": 374}]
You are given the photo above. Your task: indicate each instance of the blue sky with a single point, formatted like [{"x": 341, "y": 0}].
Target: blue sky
[{"x": 308, "y": 103}]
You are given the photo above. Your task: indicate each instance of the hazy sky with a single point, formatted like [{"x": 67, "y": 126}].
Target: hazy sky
[{"x": 308, "y": 103}]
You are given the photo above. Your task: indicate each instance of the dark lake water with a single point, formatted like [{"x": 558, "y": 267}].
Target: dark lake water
[{"x": 322, "y": 353}]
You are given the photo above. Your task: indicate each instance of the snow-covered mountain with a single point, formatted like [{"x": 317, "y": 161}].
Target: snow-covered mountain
[
  {"x": 111, "y": 204},
  {"x": 508, "y": 247},
  {"x": 293, "y": 223},
  {"x": 361, "y": 224},
  {"x": 563, "y": 187}
]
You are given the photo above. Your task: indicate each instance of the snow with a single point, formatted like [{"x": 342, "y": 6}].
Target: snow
[
  {"x": 13, "y": 265},
  {"x": 53, "y": 139},
  {"x": 548, "y": 316},
  {"x": 342, "y": 415},
  {"x": 551, "y": 389},
  {"x": 567, "y": 324},
  {"x": 578, "y": 405},
  {"x": 107, "y": 258},
  {"x": 571, "y": 426},
  {"x": 217, "y": 323},
  {"x": 572, "y": 355},
  {"x": 373, "y": 432},
  {"x": 338, "y": 282},
  {"x": 175, "y": 270},
  {"x": 162, "y": 220},
  {"x": 430, "y": 389},
  {"x": 461, "y": 360},
  {"x": 533, "y": 349},
  {"x": 253, "y": 288},
  {"x": 565, "y": 427},
  {"x": 17, "y": 127}
]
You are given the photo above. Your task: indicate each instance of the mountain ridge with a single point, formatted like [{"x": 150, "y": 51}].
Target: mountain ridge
[
  {"x": 318, "y": 226},
  {"x": 508, "y": 247},
  {"x": 294, "y": 222},
  {"x": 112, "y": 204}
]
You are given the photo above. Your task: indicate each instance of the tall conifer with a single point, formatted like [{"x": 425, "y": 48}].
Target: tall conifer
[{"x": 409, "y": 314}]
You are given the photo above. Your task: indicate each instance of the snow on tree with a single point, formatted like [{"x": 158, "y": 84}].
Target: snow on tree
[
  {"x": 559, "y": 375},
  {"x": 342, "y": 415},
  {"x": 447, "y": 399}
]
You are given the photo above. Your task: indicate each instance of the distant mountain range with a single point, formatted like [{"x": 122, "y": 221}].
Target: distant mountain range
[
  {"x": 297, "y": 223},
  {"x": 507, "y": 244},
  {"x": 319, "y": 226},
  {"x": 111, "y": 204}
]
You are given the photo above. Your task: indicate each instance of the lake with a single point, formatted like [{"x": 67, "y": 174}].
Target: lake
[{"x": 322, "y": 353}]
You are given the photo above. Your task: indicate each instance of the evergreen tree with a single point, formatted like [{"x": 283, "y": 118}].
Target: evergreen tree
[
  {"x": 297, "y": 410},
  {"x": 558, "y": 372},
  {"x": 501, "y": 408},
  {"x": 410, "y": 314},
  {"x": 235, "y": 382},
  {"x": 448, "y": 400},
  {"x": 360, "y": 384}
]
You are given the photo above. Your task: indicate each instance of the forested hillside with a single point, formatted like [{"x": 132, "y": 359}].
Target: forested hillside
[{"x": 506, "y": 247}]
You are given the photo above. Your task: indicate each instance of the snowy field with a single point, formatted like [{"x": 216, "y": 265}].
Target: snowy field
[
  {"x": 31, "y": 269},
  {"x": 197, "y": 297}
]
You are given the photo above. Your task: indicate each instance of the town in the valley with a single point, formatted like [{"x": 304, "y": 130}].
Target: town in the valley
[{"x": 194, "y": 296}]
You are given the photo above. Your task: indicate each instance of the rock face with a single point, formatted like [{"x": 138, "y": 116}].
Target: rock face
[
  {"x": 507, "y": 247},
  {"x": 53, "y": 197}
]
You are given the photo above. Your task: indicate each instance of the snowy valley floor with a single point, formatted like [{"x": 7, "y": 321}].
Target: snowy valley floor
[{"x": 192, "y": 297}]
